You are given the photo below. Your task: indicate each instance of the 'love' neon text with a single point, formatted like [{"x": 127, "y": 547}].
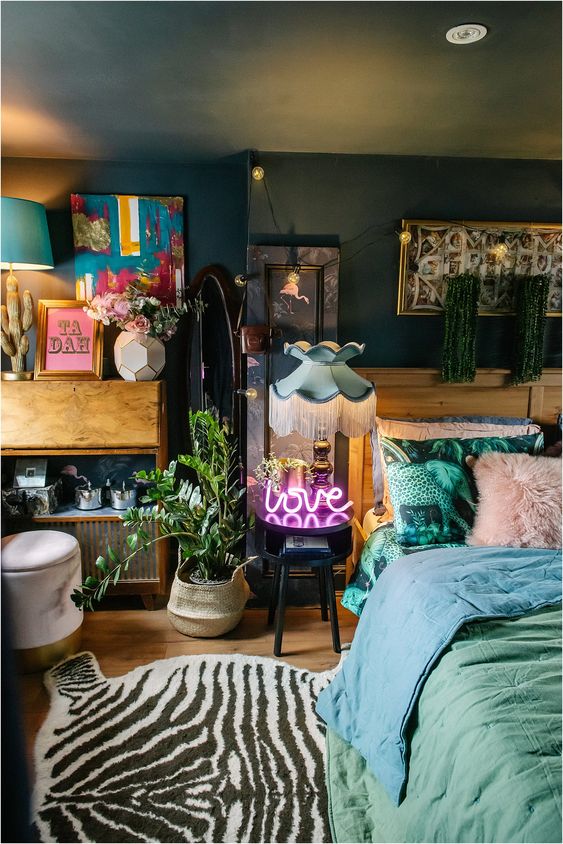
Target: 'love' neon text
[
  {"x": 309, "y": 521},
  {"x": 296, "y": 500}
]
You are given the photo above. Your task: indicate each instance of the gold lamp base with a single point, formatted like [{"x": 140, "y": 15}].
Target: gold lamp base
[
  {"x": 321, "y": 468},
  {"x": 17, "y": 376}
]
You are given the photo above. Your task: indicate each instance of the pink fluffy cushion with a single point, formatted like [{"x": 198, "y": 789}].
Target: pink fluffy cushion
[{"x": 519, "y": 501}]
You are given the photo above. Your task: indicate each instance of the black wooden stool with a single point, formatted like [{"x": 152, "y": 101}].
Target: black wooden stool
[
  {"x": 270, "y": 536},
  {"x": 279, "y": 594}
]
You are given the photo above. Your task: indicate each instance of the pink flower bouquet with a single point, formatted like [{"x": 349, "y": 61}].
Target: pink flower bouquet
[{"x": 135, "y": 311}]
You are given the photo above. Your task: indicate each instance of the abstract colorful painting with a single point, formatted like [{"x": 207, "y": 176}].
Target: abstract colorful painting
[{"x": 119, "y": 239}]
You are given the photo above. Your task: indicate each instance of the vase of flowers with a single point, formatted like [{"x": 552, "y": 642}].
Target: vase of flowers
[
  {"x": 270, "y": 470},
  {"x": 147, "y": 323},
  {"x": 282, "y": 473},
  {"x": 297, "y": 472}
]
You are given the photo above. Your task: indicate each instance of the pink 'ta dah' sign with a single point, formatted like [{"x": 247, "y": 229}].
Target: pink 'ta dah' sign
[{"x": 70, "y": 340}]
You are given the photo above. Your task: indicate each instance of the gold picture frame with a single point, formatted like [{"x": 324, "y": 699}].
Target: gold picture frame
[
  {"x": 66, "y": 339},
  {"x": 438, "y": 249}
]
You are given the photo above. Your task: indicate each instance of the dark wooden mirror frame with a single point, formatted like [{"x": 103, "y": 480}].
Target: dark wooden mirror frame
[{"x": 232, "y": 304}]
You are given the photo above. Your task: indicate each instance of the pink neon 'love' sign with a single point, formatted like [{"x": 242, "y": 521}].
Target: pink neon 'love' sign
[
  {"x": 309, "y": 521},
  {"x": 296, "y": 500}
]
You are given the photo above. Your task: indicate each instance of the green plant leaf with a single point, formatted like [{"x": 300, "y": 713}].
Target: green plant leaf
[
  {"x": 102, "y": 565},
  {"x": 451, "y": 478},
  {"x": 204, "y": 514},
  {"x": 448, "y": 449},
  {"x": 112, "y": 555}
]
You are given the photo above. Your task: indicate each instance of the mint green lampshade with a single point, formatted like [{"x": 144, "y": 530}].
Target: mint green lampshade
[
  {"x": 323, "y": 393},
  {"x": 25, "y": 235}
]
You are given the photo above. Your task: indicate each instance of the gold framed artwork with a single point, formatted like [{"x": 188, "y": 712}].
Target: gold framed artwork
[
  {"x": 498, "y": 252},
  {"x": 69, "y": 343}
]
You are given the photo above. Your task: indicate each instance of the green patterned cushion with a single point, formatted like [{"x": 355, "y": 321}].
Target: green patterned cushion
[
  {"x": 380, "y": 550},
  {"x": 431, "y": 487}
]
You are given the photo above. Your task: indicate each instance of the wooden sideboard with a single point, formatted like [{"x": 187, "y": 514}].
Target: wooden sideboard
[{"x": 48, "y": 418}]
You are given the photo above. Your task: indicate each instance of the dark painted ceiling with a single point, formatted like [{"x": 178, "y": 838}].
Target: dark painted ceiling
[{"x": 180, "y": 81}]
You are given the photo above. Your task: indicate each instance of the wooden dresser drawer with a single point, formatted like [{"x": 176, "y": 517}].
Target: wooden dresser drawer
[{"x": 81, "y": 414}]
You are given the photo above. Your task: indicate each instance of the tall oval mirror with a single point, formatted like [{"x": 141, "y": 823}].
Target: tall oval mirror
[{"x": 215, "y": 357}]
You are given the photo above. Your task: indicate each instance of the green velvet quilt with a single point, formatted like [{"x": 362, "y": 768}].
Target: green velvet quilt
[{"x": 485, "y": 760}]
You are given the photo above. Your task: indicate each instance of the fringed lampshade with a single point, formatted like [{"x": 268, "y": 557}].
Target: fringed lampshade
[{"x": 322, "y": 396}]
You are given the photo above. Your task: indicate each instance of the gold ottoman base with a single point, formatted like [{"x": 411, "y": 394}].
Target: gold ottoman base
[{"x": 29, "y": 660}]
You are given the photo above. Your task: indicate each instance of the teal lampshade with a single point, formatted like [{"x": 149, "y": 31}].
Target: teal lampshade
[
  {"x": 25, "y": 236},
  {"x": 323, "y": 393}
]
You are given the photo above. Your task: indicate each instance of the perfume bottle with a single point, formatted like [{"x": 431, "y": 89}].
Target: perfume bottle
[{"x": 106, "y": 494}]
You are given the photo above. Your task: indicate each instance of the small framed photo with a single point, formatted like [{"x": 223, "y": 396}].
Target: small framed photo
[
  {"x": 69, "y": 343},
  {"x": 30, "y": 472}
]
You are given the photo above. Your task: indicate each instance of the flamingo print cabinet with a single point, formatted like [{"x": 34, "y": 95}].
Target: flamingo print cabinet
[
  {"x": 55, "y": 418},
  {"x": 294, "y": 290}
]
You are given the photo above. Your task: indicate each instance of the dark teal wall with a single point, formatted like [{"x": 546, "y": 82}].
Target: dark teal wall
[
  {"x": 325, "y": 199},
  {"x": 216, "y": 210},
  {"x": 329, "y": 199},
  {"x": 317, "y": 199},
  {"x": 216, "y": 202}
]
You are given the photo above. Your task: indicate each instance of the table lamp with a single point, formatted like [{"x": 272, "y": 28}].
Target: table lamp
[
  {"x": 25, "y": 246},
  {"x": 322, "y": 396}
]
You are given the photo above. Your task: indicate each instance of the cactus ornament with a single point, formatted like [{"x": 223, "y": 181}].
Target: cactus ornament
[
  {"x": 24, "y": 245},
  {"x": 15, "y": 319}
]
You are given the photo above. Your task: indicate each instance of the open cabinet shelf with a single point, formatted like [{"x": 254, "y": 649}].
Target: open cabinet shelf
[{"x": 94, "y": 419}]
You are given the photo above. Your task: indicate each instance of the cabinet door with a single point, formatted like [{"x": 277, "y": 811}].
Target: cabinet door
[{"x": 80, "y": 415}]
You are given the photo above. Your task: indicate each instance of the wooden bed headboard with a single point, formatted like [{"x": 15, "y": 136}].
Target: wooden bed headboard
[{"x": 420, "y": 393}]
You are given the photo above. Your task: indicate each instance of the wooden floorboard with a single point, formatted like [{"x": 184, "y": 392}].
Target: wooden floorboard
[{"x": 122, "y": 639}]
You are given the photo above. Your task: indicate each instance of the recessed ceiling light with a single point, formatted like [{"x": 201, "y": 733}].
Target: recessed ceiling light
[{"x": 466, "y": 33}]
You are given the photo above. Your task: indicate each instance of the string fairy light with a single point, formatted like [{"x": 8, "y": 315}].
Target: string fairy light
[
  {"x": 405, "y": 237},
  {"x": 293, "y": 276},
  {"x": 499, "y": 250}
]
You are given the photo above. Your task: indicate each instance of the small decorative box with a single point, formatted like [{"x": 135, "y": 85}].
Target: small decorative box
[{"x": 306, "y": 544}]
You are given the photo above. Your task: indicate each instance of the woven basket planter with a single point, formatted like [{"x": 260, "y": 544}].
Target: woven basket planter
[{"x": 210, "y": 609}]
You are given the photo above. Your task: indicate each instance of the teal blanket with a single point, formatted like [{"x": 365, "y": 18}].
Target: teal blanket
[
  {"x": 380, "y": 550},
  {"x": 485, "y": 750},
  {"x": 410, "y": 618}
]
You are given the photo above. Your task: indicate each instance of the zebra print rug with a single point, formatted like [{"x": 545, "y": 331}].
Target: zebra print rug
[{"x": 198, "y": 748}]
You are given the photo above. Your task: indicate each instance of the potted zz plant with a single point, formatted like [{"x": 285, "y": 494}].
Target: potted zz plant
[{"x": 209, "y": 591}]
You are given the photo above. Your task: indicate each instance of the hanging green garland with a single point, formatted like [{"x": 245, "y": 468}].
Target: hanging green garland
[
  {"x": 531, "y": 305},
  {"x": 461, "y": 308}
]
